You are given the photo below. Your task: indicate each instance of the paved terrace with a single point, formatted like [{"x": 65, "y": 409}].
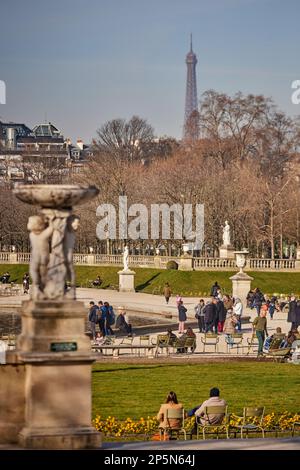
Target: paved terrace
[{"x": 154, "y": 307}]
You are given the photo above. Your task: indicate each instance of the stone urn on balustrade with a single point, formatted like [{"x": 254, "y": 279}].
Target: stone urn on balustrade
[{"x": 241, "y": 282}]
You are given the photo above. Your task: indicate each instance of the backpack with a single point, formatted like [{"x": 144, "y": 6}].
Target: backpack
[{"x": 93, "y": 314}]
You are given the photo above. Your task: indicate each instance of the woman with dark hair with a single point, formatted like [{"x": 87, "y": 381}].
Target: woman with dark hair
[{"x": 171, "y": 403}]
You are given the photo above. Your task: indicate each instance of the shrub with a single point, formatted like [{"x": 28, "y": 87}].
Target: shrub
[
  {"x": 111, "y": 426},
  {"x": 172, "y": 265}
]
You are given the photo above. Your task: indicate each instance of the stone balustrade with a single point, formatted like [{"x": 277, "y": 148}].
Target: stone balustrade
[{"x": 199, "y": 264}]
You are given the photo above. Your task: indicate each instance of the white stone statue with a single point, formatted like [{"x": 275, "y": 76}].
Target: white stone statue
[
  {"x": 226, "y": 234},
  {"x": 125, "y": 258}
]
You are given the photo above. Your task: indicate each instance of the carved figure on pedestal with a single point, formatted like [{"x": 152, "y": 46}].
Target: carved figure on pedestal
[
  {"x": 125, "y": 258},
  {"x": 56, "y": 276},
  {"x": 226, "y": 234},
  {"x": 69, "y": 243},
  {"x": 40, "y": 233}
]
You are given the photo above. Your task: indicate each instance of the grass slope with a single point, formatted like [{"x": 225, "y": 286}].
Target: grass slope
[
  {"x": 187, "y": 283},
  {"x": 138, "y": 390}
]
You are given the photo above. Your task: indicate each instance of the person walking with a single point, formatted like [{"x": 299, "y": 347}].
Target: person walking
[
  {"x": 199, "y": 315},
  {"x": 238, "y": 311},
  {"x": 181, "y": 316},
  {"x": 178, "y": 299},
  {"x": 210, "y": 315},
  {"x": 26, "y": 283},
  {"x": 214, "y": 289},
  {"x": 167, "y": 292},
  {"x": 291, "y": 318},
  {"x": 93, "y": 318},
  {"x": 221, "y": 315},
  {"x": 229, "y": 327},
  {"x": 260, "y": 327}
]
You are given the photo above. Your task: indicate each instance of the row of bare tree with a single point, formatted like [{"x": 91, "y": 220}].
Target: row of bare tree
[{"x": 244, "y": 168}]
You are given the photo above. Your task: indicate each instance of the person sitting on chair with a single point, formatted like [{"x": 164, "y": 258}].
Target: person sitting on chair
[
  {"x": 97, "y": 282},
  {"x": 214, "y": 400},
  {"x": 5, "y": 277},
  {"x": 278, "y": 335},
  {"x": 121, "y": 322},
  {"x": 171, "y": 403},
  {"x": 172, "y": 337},
  {"x": 188, "y": 334}
]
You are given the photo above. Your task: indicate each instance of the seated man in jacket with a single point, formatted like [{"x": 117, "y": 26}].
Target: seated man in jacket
[
  {"x": 121, "y": 322},
  {"x": 214, "y": 400}
]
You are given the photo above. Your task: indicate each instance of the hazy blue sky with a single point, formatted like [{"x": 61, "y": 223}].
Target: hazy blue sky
[{"x": 80, "y": 63}]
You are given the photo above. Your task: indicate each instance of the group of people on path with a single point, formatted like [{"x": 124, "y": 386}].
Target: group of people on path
[
  {"x": 223, "y": 313},
  {"x": 104, "y": 316}
]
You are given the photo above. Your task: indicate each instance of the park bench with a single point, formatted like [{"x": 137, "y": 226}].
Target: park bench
[{"x": 116, "y": 348}]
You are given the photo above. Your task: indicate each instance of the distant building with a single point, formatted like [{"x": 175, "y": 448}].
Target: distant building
[
  {"x": 80, "y": 151},
  {"x": 38, "y": 154}
]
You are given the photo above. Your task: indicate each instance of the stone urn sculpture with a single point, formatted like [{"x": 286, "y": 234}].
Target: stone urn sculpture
[
  {"x": 241, "y": 282},
  {"x": 51, "y": 367},
  {"x": 241, "y": 259}
]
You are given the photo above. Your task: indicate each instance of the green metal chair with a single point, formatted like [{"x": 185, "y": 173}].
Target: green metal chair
[
  {"x": 235, "y": 343},
  {"x": 171, "y": 416},
  {"x": 210, "y": 339},
  {"x": 207, "y": 416},
  {"x": 295, "y": 425},
  {"x": 252, "y": 343},
  {"x": 162, "y": 342}
]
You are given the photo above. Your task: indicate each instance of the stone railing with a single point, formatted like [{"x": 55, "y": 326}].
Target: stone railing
[
  {"x": 160, "y": 262},
  {"x": 4, "y": 257},
  {"x": 257, "y": 263},
  {"x": 214, "y": 263}
]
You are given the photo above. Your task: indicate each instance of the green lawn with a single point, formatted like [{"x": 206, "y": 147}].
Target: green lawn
[
  {"x": 187, "y": 283},
  {"x": 138, "y": 390}
]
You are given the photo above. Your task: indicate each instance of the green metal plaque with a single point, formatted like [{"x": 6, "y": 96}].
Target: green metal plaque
[{"x": 63, "y": 347}]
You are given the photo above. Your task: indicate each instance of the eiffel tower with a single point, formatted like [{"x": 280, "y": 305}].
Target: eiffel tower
[{"x": 191, "y": 114}]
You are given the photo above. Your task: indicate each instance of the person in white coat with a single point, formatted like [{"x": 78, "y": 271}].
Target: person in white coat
[{"x": 238, "y": 311}]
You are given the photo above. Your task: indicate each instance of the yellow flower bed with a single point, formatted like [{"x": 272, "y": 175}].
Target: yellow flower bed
[{"x": 117, "y": 428}]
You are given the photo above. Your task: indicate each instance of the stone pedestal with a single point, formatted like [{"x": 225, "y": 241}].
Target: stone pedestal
[
  {"x": 227, "y": 252},
  {"x": 12, "y": 399},
  {"x": 126, "y": 280},
  {"x": 91, "y": 260},
  {"x": 13, "y": 258},
  {"x": 52, "y": 379},
  {"x": 157, "y": 262},
  {"x": 241, "y": 284},
  {"x": 186, "y": 263}
]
